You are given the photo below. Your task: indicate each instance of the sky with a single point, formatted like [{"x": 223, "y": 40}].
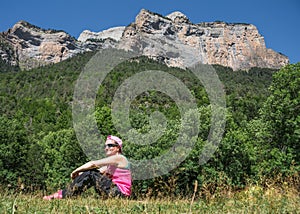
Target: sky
[{"x": 277, "y": 21}]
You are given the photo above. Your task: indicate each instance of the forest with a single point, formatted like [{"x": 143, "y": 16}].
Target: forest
[{"x": 260, "y": 145}]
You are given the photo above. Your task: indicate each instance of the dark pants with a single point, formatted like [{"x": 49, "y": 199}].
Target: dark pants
[{"x": 92, "y": 178}]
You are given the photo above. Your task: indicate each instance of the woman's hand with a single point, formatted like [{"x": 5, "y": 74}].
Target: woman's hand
[
  {"x": 74, "y": 174},
  {"x": 103, "y": 169}
]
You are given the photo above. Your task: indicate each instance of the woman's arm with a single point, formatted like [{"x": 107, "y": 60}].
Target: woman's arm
[
  {"x": 87, "y": 166},
  {"x": 118, "y": 160}
]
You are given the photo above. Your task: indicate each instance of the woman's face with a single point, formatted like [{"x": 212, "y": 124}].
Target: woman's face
[{"x": 111, "y": 147}]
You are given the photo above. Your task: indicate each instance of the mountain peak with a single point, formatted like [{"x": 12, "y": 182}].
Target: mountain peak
[
  {"x": 114, "y": 33},
  {"x": 25, "y": 24},
  {"x": 34, "y": 46},
  {"x": 178, "y": 16}
]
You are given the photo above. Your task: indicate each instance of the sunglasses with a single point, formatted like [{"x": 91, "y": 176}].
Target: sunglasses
[{"x": 109, "y": 145}]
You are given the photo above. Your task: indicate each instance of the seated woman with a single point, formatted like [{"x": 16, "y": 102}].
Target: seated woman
[{"x": 110, "y": 176}]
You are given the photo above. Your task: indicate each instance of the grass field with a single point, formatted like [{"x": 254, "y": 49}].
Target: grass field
[{"x": 252, "y": 200}]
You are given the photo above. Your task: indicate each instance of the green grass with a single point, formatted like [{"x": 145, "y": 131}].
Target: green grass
[{"x": 252, "y": 200}]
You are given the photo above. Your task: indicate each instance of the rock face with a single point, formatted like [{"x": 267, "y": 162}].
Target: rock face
[
  {"x": 34, "y": 46},
  {"x": 114, "y": 33},
  {"x": 172, "y": 39},
  {"x": 181, "y": 43},
  {"x": 7, "y": 53}
]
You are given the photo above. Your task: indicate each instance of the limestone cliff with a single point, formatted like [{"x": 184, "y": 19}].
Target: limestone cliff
[
  {"x": 173, "y": 39},
  {"x": 181, "y": 43},
  {"x": 114, "y": 33},
  {"x": 34, "y": 46}
]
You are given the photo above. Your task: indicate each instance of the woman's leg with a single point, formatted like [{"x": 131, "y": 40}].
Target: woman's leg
[{"x": 86, "y": 180}]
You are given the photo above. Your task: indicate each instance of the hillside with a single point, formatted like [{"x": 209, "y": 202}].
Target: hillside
[
  {"x": 36, "y": 111},
  {"x": 39, "y": 147},
  {"x": 56, "y": 82}
]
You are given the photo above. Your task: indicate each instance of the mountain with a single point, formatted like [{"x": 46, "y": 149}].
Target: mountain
[
  {"x": 172, "y": 39},
  {"x": 33, "y": 46},
  {"x": 182, "y": 43},
  {"x": 114, "y": 33},
  {"x": 29, "y": 46}
]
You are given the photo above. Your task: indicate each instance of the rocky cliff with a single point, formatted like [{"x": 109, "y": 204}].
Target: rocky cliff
[
  {"x": 34, "y": 46},
  {"x": 181, "y": 43},
  {"x": 114, "y": 33},
  {"x": 172, "y": 39}
]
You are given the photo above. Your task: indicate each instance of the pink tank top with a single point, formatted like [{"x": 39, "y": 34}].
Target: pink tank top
[{"x": 122, "y": 178}]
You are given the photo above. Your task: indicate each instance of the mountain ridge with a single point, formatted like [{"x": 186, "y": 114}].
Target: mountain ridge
[{"x": 173, "y": 39}]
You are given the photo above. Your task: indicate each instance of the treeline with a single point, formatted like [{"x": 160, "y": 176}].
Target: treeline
[{"x": 39, "y": 148}]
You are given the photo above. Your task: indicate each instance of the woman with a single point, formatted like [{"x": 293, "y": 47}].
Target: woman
[{"x": 110, "y": 176}]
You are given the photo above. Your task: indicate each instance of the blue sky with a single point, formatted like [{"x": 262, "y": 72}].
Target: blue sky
[{"x": 277, "y": 21}]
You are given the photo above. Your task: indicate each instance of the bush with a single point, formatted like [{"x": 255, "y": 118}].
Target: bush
[{"x": 62, "y": 155}]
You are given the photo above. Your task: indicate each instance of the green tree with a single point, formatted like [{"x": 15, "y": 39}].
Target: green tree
[
  {"x": 281, "y": 111},
  {"x": 62, "y": 154},
  {"x": 13, "y": 150}
]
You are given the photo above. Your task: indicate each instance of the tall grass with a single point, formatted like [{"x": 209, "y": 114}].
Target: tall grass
[{"x": 254, "y": 199}]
